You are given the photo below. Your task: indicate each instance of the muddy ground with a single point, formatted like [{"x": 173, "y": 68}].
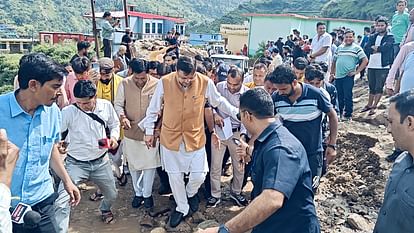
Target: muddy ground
[{"x": 348, "y": 198}]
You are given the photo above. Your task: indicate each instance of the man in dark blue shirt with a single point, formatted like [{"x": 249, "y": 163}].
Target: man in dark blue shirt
[
  {"x": 282, "y": 194},
  {"x": 301, "y": 106}
]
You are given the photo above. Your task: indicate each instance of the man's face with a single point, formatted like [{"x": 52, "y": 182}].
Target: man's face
[
  {"x": 269, "y": 87},
  {"x": 321, "y": 29},
  {"x": 267, "y": 53},
  {"x": 106, "y": 75},
  {"x": 85, "y": 52},
  {"x": 185, "y": 80},
  {"x": 285, "y": 89},
  {"x": 86, "y": 104},
  {"x": 48, "y": 93},
  {"x": 315, "y": 82},
  {"x": 381, "y": 27},
  {"x": 234, "y": 84},
  {"x": 259, "y": 76},
  {"x": 299, "y": 73},
  {"x": 401, "y": 132},
  {"x": 152, "y": 72},
  {"x": 140, "y": 79},
  {"x": 349, "y": 38},
  {"x": 401, "y": 7},
  {"x": 168, "y": 60}
]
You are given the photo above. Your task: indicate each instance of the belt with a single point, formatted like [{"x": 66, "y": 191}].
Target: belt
[
  {"x": 88, "y": 161},
  {"x": 235, "y": 129}
]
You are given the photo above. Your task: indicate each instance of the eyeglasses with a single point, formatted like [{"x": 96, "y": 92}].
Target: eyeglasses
[{"x": 239, "y": 116}]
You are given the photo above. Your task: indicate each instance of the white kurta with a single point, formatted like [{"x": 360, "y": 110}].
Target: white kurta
[
  {"x": 139, "y": 156},
  {"x": 183, "y": 161}
]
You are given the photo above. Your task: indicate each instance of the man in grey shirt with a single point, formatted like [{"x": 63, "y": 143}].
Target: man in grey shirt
[
  {"x": 397, "y": 211},
  {"x": 108, "y": 33}
]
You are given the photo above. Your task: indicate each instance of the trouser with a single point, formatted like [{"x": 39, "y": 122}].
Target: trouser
[
  {"x": 142, "y": 181},
  {"x": 207, "y": 185},
  {"x": 107, "y": 48},
  {"x": 181, "y": 191},
  {"x": 216, "y": 167},
  {"x": 315, "y": 164},
  {"x": 344, "y": 88},
  {"x": 47, "y": 222},
  {"x": 396, "y": 50},
  {"x": 376, "y": 80},
  {"x": 99, "y": 172}
]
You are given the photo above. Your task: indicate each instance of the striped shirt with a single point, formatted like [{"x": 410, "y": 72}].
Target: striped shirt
[
  {"x": 303, "y": 118},
  {"x": 347, "y": 58}
]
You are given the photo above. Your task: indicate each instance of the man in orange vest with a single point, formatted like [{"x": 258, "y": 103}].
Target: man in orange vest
[{"x": 183, "y": 95}]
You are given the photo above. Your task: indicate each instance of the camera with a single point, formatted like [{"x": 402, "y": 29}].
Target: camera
[{"x": 104, "y": 143}]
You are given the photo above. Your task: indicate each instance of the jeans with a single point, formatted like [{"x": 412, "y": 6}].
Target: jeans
[
  {"x": 47, "y": 222},
  {"x": 107, "y": 48},
  {"x": 344, "y": 88},
  {"x": 99, "y": 172},
  {"x": 316, "y": 164}
]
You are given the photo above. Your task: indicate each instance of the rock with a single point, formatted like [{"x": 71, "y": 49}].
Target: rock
[
  {"x": 208, "y": 224},
  {"x": 357, "y": 222},
  {"x": 158, "y": 230}
]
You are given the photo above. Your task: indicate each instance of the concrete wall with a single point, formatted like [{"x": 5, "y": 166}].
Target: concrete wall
[
  {"x": 235, "y": 43},
  {"x": 202, "y": 39}
]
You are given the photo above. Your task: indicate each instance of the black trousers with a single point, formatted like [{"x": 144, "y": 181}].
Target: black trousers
[
  {"x": 107, "y": 48},
  {"x": 47, "y": 222}
]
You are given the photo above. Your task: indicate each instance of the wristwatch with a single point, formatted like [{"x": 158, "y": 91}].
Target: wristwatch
[
  {"x": 223, "y": 229},
  {"x": 333, "y": 146}
]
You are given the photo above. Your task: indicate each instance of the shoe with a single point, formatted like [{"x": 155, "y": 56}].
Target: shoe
[
  {"x": 194, "y": 203},
  {"x": 176, "y": 218},
  {"x": 148, "y": 202},
  {"x": 346, "y": 119},
  {"x": 239, "y": 199},
  {"x": 212, "y": 202},
  {"x": 164, "y": 190},
  {"x": 392, "y": 157},
  {"x": 125, "y": 169},
  {"x": 137, "y": 201}
]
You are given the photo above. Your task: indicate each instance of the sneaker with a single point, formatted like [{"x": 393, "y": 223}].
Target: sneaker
[
  {"x": 194, "y": 203},
  {"x": 125, "y": 169},
  {"x": 137, "y": 201},
  {"x": 212, "y": 202},
  {"x": 176, "y": 218},
  {"x": 392, "y": 157},
  {"x": 148, "y": 202},
  {"x": 239, "y": 199}
]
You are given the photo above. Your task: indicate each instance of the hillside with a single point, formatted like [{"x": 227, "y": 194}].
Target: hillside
[{"x": 66, "y": 15}]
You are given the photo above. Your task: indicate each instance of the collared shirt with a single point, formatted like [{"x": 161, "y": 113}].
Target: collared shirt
[
  {"x": 107, "y": 30},
  {"x": 324, "y": 40},
  {"x": 84, "y": 132},
  {"x": 35, "y": 136},
  {"x": 280, "y": 163},
  {"x": 234, "y": 99},
  {"x": 303, "y": 118},
  {"x": 400, "y": 24},
  {"x": 5, "y": 219},
  {"x": 409, "y": 36},
  {"x": 397, "y": 211},
  {"x": 347, "y": 58},
  {"x": 212, "y": 95}
]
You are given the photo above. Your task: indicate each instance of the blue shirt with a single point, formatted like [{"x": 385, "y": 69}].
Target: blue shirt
[
  {"x": 303, "y": 118},
  {"x": 407, "y": 80},
  {"x": 280, "y": 163},
  {"x": 34, "y": 136}
]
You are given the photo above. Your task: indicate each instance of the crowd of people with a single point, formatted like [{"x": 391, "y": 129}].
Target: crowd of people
[{"x": 183, "y": 119}]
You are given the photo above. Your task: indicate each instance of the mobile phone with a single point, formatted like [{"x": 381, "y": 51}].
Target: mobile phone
[
  {"x": 104, "y": 143},
  {"x": 236, "y": 141},
  {"x": 95, "y": 66}
]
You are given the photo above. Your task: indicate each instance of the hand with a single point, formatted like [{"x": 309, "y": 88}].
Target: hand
[
  {"x": 390, "y": 92},
  {"x": 352, "y": 73},
  {"x": 125, "y": 123},
  {"x": 149, "y": 140},
  {"x": 63, "y": 147},
  {"x": 215, "y": 140},
  {"x": 330, "y": 155},
  {"x": 218, "y": 121},
  {"x": 331, "y": 77},
  {"x": 241, "y": 151},
  {"x": 73, "y": 192},
  {"x": 113, "y": 143},
  {"x": 9, "y": 154},
  {"x": 209, "y": 230},
  {"x": 94, "y": 76}
]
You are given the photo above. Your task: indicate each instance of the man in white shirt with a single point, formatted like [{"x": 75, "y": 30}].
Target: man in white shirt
[
  {"x": 321, "y": 45},
  {"x": 92, "y": 128},
  {"x": 8, "y": 157}
]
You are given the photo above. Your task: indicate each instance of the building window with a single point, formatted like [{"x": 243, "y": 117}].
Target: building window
[
  {"x": 182, "y": 29},
  {"x": 3, "y": 46},
  {"x": 153, "y": 28},
  {"x": 201, "y": 36},
  {"x": 147, "y": 28},
  {"x": 160, "y": 29},
  {"x": 26, "y": 46}
]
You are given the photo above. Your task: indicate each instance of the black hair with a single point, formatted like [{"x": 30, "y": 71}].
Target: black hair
[
  {"x": 138, "y": 66},
  {"x": 333, "y": 34},
  {"x": 83, "y": 45},
  {"x": 80, "y": 65},
  {"x": 106, "y": 14},
  {"x": 201, "y": 69},
  {"x": 404, "y": 104},
  {"x": 260, "y": 66},
  {"x": 84, "y": 89},
  {"x": 320, "y": 24},
  {"x": 172, "y": 55},
  {"x": 312, "y": 74},
  {"x": 382, "y": 19},
  {"x": 367, "y": 29},
  {"x": 283, "y": 74},
  {"x": 275, "y": 50},
  {"x": 163, "y": 69},
  {"x": 198, "y": 57},
  {"x": 349, "y": 31},
  {"x": 153, "y": 65},
  {"x": 324, "y": 66},
  {"x": 208, "y": 65},
  {"x": 300, "y": 63},
  {"x": 235, "y": 72},
  {"x": 257, "y": 102},
  {"x": 186, "y": 65},
  {"x": 39, "y": 67},
  {"x": 208, "y": 59}
]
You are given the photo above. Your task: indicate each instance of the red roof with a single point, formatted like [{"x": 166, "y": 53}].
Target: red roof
[
  {"x": 120, "y": 14},
  {"x": 307, "y": 17}
]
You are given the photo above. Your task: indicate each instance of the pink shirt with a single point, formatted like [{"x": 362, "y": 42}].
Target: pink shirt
[
  {"x": 71, "y": 80},
  {"x": 398, "y": 64}
]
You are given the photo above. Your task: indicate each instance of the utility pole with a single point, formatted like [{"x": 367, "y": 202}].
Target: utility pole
[
  {"x": 126, "y": 13},
  {"x": 95, "y": 32}
]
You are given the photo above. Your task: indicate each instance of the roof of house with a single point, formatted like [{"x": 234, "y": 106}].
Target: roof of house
[
  {"x": 121, "y": 14},
  {"x": 307, "y": 17}
]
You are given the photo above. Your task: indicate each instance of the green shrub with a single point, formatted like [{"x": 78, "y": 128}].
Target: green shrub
[
  {"x": 61, "y": 53},
  {"x": 6, "y": 88},
  {"x": 9, "y": 65}
]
